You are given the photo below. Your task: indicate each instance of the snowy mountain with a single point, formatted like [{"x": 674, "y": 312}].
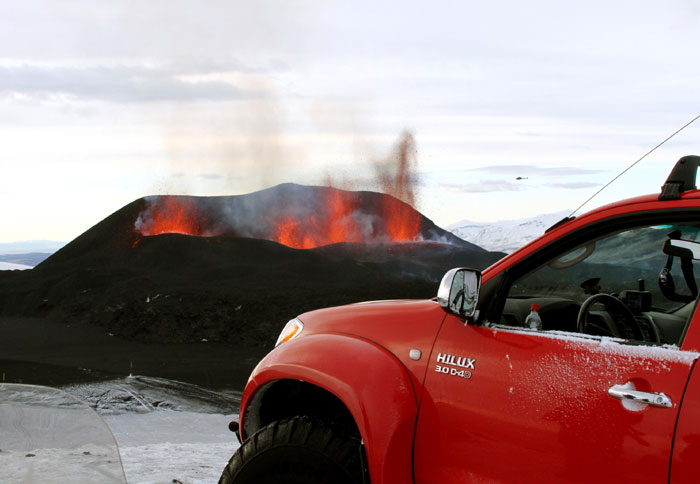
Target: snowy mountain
[
  {"x": 507, "y": 235},
  {"x": 26, "y": 246},
  {"x": 26, "y": 254},
  {"x": 11, "y": 266}
]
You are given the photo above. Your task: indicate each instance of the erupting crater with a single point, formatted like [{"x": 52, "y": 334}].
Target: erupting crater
[
  {"x": 297, "y": 216},
  {"x": 172, "y": 215}
]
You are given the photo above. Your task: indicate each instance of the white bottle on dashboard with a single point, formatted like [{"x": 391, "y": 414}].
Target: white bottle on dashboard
[{"x": 533, "y": 320}]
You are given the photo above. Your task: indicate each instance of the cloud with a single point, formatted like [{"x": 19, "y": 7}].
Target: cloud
[
  {"x": 115, "y": 83},
  {"x": 484, "y": 186},
  {"x": 206, "y": 65},
  {"x": 533, "y": 170},
  {"x": 574, "y": 185}
]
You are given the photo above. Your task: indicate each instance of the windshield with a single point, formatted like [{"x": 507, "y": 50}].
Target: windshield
[{"x": 624, "y": 261}]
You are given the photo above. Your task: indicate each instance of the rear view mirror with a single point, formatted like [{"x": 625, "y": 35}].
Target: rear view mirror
[
  {"x": 459, "y": 291},
  {"x": 682, "y": 248}
]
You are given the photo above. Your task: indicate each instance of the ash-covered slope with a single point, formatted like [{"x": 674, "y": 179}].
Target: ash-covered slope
[{"x": 236, "y": 283}]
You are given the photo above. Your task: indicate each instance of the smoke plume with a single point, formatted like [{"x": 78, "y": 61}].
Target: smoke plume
[{"x": 396, "y": 175}]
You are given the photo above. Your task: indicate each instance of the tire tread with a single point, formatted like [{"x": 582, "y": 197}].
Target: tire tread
[{"x": 340, "y": 449}]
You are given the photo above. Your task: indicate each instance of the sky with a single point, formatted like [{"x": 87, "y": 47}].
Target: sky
[{"x": 104, "y": 102}]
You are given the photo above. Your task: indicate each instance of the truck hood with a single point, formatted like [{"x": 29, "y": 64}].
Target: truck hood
[{"x": 396, "y": 325}]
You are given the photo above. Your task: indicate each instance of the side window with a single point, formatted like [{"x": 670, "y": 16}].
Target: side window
[{"x": 624, "y": 285}]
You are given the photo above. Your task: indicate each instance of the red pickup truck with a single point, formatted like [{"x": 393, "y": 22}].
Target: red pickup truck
[{"x": 601, "y": 387}]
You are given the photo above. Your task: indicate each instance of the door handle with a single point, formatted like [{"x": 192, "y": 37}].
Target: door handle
[{"x": 624, "y": 392}]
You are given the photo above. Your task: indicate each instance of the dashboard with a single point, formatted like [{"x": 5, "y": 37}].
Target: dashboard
[{"x": 561, "y": 314}]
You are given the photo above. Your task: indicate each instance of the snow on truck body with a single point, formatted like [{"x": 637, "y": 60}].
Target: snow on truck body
[{"x": 458, "y": 389}]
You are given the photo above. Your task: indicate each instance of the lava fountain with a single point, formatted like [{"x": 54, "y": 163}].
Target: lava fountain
[
  {"x": 172, "y": 215},
  {"x": 343, "y": 217}
]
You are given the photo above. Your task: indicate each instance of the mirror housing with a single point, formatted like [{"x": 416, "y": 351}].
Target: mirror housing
[
  {"x": 459, "y": 291},
  {"x": 682, "y": 248}
]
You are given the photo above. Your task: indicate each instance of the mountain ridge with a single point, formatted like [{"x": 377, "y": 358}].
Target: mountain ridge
[{"x": 506, "y": 235}]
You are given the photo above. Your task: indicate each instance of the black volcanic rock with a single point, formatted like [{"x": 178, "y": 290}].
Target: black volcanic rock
[{"x": 229, "y": 286}]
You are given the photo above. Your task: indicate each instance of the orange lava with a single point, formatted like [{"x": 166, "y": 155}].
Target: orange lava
[
  {"x": 402, "y": 221},
  {"x": 344, "y": 221},
  {"x": 173, "y": 215}
]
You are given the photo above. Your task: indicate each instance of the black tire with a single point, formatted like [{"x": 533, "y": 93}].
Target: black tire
[{"x": 298, "y": 450}]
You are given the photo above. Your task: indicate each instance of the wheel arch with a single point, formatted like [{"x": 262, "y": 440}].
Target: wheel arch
[
  {"x": 285, "y": 398},
  {"x": 354, "y": 381}
]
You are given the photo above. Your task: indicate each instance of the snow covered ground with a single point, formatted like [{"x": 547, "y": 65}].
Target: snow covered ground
[
  {"x": 167, "y": 431},
  {"x": 169, "y": 446},
  {"x": 49, "y": 437}
]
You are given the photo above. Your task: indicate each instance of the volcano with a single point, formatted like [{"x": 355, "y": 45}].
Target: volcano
[{"x": 236, "y": 268}]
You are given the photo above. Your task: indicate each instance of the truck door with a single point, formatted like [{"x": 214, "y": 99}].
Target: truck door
[
  {"x": 686, "y": 447},
  {"x": 591, "y": 397}
]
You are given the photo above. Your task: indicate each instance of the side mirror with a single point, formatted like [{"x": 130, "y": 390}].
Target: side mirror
[
  {"x": 459, "y": 291},
  {"x": 682, "y": 248}
]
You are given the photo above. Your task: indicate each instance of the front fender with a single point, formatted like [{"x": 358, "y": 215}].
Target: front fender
[{"x": 373, "y": 384}]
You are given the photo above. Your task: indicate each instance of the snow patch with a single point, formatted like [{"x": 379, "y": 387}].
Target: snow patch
[
  {"x": 671, "y": 353},
  {"x": 578, "y": 369}
]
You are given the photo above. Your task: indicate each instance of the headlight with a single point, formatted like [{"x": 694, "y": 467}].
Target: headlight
[{"x": 291, "y": 330}]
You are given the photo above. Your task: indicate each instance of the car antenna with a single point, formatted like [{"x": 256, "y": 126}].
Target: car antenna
[
  {"x": 640, "y": 159},
  {"x": 571, "y": 215}
]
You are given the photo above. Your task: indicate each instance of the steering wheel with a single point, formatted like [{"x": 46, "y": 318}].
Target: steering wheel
[{"x": 608, "y": 300}]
